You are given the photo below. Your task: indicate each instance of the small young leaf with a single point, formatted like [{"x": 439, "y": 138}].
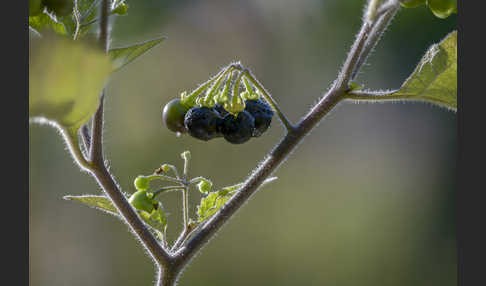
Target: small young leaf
[
  {"x": 65, "y": 80},
  {"x": 211, "y": 203},
  {"x": 122, "y": 56},
  {"x": 119, "y": 8},
  {"x": 434, "y": 79}
]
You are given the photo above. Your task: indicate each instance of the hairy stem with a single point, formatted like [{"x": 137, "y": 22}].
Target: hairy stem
[
  {"x": 171, "y": 264},
  {"x": 280, "y": 152},
  {"x": 104, "y": 29},
  {"x": 384, "y": 15}
]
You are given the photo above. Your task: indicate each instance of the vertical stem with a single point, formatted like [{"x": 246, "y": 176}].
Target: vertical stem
[
  {"x": 185, "y": 206},
  {"x": 104, "y": 13}
]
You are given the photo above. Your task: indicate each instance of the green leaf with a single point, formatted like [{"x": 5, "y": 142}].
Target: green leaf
[
  {"x": 122, "y": 56},
  {"x": 65, "y": 80},
  {"x": 157, "y": 219},
  {"x": 98, "y": 202},
  {"x": 119, "y": 8},
  {"x": 211, "y": 203},
  {"x": 44, "y": 22},
  {"x": 434, "y": 79}
]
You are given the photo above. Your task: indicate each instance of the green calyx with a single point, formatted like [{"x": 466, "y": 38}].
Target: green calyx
[{"x": 236, "y": 105}]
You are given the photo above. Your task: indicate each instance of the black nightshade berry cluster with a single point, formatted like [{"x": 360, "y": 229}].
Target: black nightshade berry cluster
[{"x": 206, "y": 123}]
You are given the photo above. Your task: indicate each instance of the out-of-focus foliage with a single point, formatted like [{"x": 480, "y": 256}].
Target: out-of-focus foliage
[
  {"x": 65, "y": 80},
  {"x": 123, "y": 56}
]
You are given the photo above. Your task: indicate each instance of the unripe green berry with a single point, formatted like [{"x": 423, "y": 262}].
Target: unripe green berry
[
  {"x": 442, "y": 8},
  {"x": 140, "y": 200},
  {"x": 141, "y": 183},
  {"x": 205, "y": 186},
  {"x": 412, "y": 3}
]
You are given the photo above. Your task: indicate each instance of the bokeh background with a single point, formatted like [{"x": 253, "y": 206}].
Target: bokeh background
[{"x": 367, "y": 199}]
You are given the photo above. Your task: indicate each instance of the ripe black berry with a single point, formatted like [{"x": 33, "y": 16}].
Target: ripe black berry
[
  {"x": 203, "y": 123},
  {"x": 238, "y": 130},
  {"x": 220, "y": 109},
  {"x": 262, "y": 112}
]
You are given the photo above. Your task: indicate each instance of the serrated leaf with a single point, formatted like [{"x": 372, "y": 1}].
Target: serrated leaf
[
  {"x": 122, "y": 56},
  {"x": 157, "y": 219},
  {"x": 44, "y": 22},
  {"x": 434, "y": 79},
  {"x": 65, "y": 80},
  {"x": 211, "y": 203}
]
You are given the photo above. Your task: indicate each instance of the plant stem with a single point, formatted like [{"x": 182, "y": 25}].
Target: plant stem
[
  {"x": 280, "y": 152},
  {"x": 104, "y": 13},
  {"x": 384, "y": 15},
  {"x": 288, "y": 125},
  {"x": 170, "y": 265},
  {"x": 110, "y": 187},
  {"x": 373, "y": 96}
]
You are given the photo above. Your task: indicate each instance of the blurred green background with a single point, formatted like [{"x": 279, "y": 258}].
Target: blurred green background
[{"x": 367, "y": 199}]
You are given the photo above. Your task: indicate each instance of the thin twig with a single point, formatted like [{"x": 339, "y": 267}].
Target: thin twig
[
  {"x": 96, "y": 145},
  {"x": 278, "y": 154},
  {"x": 384, "y": 15},
  {"x": 85, "y": 135}
]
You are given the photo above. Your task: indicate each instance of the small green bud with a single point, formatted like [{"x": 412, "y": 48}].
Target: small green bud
[
  {"x": 140, "y": 200},
  {"x": 186, "y": 155},
  {"x": 141, "y": 183},
  {"x": 204, "y": 186}
]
